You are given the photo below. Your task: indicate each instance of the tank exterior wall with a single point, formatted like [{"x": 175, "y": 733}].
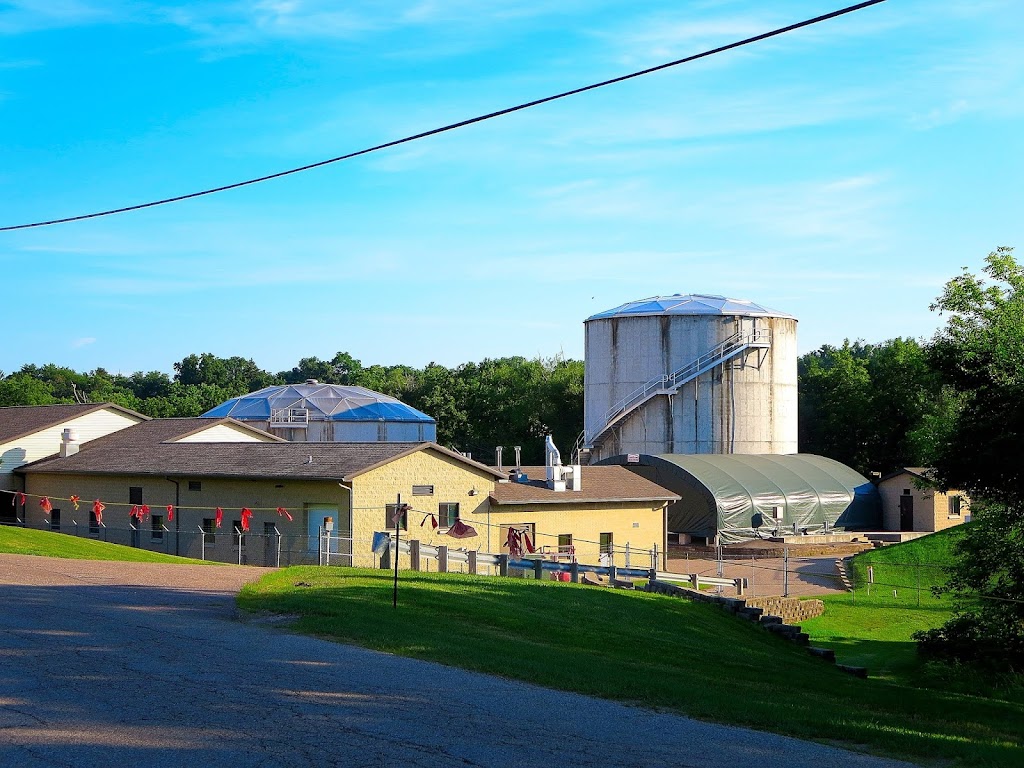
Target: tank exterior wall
[{"x": 747, "y": 405}]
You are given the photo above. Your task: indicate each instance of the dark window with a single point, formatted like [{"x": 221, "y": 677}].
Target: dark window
[
  {"x": 423, "y": 490},
  {"x": 209, "y": 530},
  {"x": 954, "y": 505},
  {"x": 158, "y": 527},
  {"x": 906, "y": 491},
  {"x": 389, "y": 518},
  {"x": 447, "y": 513},
  {"x": 565, "y": 543},
  {"x": 195, "y": 485},
  {"x": 54, "y": 519},
  {"x": 269, "y": 529},
  {"x": 236, "y": 526},
  {"x": 134, "y": 494},
  {"x": 94, "y": 526},
  {"x": 606, "y": 543}
]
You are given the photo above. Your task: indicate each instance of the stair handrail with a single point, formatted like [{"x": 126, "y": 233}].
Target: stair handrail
[{"x": 724, "y": 349}]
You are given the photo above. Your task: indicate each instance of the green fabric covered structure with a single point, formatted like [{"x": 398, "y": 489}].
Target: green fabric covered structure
[{"x": 739, "y": 497}]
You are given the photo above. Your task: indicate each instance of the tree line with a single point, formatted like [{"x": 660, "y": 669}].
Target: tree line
[
  {"x": 478, "y": 406},
  {"x": 874, "y": 407}
]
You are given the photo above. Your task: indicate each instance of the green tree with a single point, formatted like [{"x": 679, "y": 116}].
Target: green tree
[{"x": 980, "y": 354}]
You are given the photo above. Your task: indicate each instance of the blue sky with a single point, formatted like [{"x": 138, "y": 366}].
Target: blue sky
[{"x": 841, "y": 173}]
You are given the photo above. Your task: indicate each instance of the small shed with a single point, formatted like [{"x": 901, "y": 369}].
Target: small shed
[
  {"x": 911, "y": 501},
  {"x": 738, "y": 497}
]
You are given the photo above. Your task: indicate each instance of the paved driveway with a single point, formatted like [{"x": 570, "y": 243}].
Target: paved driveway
[{"x": 115, "y": 664}]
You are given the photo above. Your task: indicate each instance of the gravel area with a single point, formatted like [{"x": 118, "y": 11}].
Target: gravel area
[{"x": 127, "y": 664}]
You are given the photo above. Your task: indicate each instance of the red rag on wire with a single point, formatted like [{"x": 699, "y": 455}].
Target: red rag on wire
[
  {"x": 285, "y": 512},
  {"x": 219, "y": 516},
  {"x": 134, "y": 512},
  {"x": 46, "y": 505},
  {"x": 515, "y": 549},
  {"x": 246, "y": 514},
  {"x": 170, "y": 512},
  {"x": 97, "y": 509},
  {"x": 529, "y": 544},
  {"x": 432, "y": 518},
  {"x": 143, "y": 511},
  {"x": 461, "y": 531},
  {"x": 74, "y": 500},
  {"x": 21, "y": 498}
]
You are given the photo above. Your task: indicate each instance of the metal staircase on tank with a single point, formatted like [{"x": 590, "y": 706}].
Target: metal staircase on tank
[{"x": 732, "y": 347}]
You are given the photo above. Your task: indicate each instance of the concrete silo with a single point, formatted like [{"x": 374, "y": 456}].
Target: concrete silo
[{"x": 690, "y": 374}]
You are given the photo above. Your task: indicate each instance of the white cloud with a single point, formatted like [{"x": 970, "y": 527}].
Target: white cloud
[{"x": 83, "y": 342}]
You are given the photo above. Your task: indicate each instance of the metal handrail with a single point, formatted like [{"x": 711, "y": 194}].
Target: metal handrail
[
  {"x": 289, "y": 416},
  {"x": 724, "y": 350}
]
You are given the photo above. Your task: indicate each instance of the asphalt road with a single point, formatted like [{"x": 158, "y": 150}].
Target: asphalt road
[{"x": 117, "y": 664}]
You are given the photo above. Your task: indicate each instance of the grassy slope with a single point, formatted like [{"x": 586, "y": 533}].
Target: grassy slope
[
  {"x": 25, "y": 541},
  {"x": 648, "y": 649}
]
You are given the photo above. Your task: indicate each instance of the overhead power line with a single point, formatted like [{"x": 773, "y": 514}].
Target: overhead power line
[{"x": 452, "y": 126}]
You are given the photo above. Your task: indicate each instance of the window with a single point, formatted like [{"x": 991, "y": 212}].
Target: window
[
  {"x": 269, "y": 529},
  {"x": 389, "y": 518},
  {"x": 195, "y": 485},
  {"x": 94, "y": 525},
  {"x": 606, "y": 544},
  {"x": 158, "y": 527},
  {"x": 135, "y": 494},
  {"x": 236, "y": 526},
  {"x": 423, "y": 490},
  {"x": 54, "y": 519},
  {"x": 447, "y": 513},
  {"x": 209, "y": 530},
  {"x": 954, "y": 500},
  {"x": 565, "y": 543}
]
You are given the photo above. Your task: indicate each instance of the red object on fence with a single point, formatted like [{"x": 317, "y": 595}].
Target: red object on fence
[
  {"x": 144, "y": 510},
  {"x": 285, "y": 512},
  {"x": 219, "y": 516},
  {"x": 134, "y": 512},
  {"x": 46, "y": 505},
  {"x": 461, "y": 531},
  {"x": 21, "y": 498},
  {"x": 97, "y": 509},
  {"x": 74, "y": 500},
  {"x": 246, "y": 514},
  {"x": 170, "y": 512}
]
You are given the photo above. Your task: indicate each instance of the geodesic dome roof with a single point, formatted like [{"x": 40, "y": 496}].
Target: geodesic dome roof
[
  {"x": 689, "y": 304},
  {"x": 325, "y": 402}
]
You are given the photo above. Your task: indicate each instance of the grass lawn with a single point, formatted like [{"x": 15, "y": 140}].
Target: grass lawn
[
  {"x": 650, "y": 650},
  {"x": 26, "y": 541}
]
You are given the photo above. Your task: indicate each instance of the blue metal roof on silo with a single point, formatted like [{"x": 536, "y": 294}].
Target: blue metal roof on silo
[
  {"x": 690, "y": 304},
  {"x": 325, "y": 402}
]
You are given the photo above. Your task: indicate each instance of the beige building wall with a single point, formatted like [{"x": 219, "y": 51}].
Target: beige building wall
[
  {"x": 46, "y": 442},
  {"x": 261, "y": 496},
  {"x": 452, "y": 481},
  {"x": 931, "y": 507},
  {"x": 225, "y": 433}
]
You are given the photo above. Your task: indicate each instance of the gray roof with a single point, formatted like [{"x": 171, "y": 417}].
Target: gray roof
[
  {"x": 689, "y": 304},
  {"x": 21, "y": 420},
  {"x": 145, "y": 449}
]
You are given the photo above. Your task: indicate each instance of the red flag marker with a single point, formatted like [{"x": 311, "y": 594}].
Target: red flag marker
[
  {"x": 74, "y": 500},
  {"x": 97, "y": 509},
  {"x": 46, "y": 505}
]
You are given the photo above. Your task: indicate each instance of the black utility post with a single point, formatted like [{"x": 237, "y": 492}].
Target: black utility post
[{"x": 398, "y": 523}]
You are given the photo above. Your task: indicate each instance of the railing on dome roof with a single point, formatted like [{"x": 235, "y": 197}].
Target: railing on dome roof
[
  {"x": 739, "y": 342},
  {"x": 289, "y": 417}
]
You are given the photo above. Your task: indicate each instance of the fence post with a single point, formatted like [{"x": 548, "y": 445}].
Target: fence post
[
  {"x": 574, "y": 573},
  {"x": 652, "y": 575},
  {"x": 739, "y": 586},
  {"x": 414, "y": 554},
  {"x": 278, "y": 533},
  {"x": 471, "y": 557},
  {"x": 442, "y": 559},
  {"x": 785, "y": 572},
  {"x": 238, "y": 533},
  {"x": 538, "y": 569},
  {"x": 694, "y": 582},
  {"x": 612, "y": 572},
  {"x": 385, "y": 558},
  {"x": 503, "y": 565},
  {"x": 202, "y": 542},
  {"x": 627, "y": 554}
]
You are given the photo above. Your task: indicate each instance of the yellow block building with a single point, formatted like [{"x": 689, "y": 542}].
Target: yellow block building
[{"x": 179, "y": 472}]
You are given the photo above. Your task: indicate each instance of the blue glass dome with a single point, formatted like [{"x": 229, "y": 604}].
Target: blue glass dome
[
  {"x": 324, "y": 402},
  {"x": 689, "y": 304}
]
